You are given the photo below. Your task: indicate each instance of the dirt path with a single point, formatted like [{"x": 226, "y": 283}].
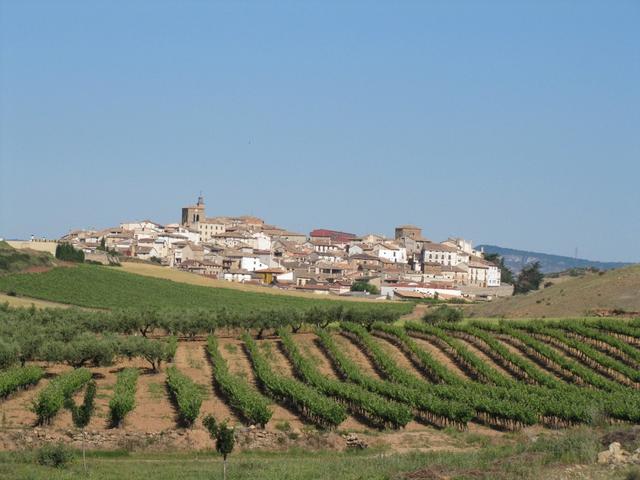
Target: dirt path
[
  {"x": 486, "y": 358},
  {"x": 153, "y": 411},
  {"x": 400, "y": 358},
  {"x": 282, "y": 365},
  {"x": 239, "y": 364},
  {"x": 440, "y": 356},
  {"x": 308, "y": 347},
  {"x": 356, "y": 355},
  {"x": 191, "y": 360},
  {"x": 15, "y": 411},
  {"x": 519, "y": 348},
  {"x": 105, "y": 378},
  {"x": 518, "y": 352}
]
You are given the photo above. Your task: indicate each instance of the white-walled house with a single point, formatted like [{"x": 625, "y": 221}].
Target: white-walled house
[
  {"x": 493, "y": 276},
  {"x": 390, "y": 252},
  {"x": 143, "y": 226},
  {"x": 252, "y": 263},
  {"x": 483, "y": 273},
  {"x": 260, "y": 241},
  {"x": 240, "y": 276},
  {"x": 440, "y": 254}
]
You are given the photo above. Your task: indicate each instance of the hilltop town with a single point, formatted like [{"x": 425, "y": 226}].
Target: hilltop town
[{"x": 248, "y": 250}]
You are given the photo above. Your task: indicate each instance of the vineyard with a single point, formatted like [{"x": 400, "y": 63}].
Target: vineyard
[
  {"x": 329, "y": 368},
  {"x": 94, "y": 286}
]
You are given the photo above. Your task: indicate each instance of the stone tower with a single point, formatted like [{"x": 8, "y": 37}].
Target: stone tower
[{"x": 193, "y": 214}]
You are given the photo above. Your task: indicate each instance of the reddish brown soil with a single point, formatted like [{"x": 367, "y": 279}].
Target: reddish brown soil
[
  {"x": 239, "y": 364},
  {"x": 154, "y": 410},
  {"x": 307, "y": 345},
  {"x": 400, "y": 358},
  {"x": 34, "y": 269},
  {"x": 485, "y": 358},
  {"x": 192, "y": 361},
  {"x": 518, "y": 352},
  {"x": 356, "y": 355},
  {"x": 440, "y": 356},
  {"x": 15, "y": 411}
]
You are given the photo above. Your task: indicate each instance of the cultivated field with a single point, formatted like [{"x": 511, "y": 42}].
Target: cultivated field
[
  {"x": 295, "y": 376},
  {"x": 504, "y": 376},
  {"x": 110, "y": 287}
]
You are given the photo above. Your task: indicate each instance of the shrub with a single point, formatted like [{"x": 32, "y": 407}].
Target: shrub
[
  {"x": 15, "y": 378},
  {"x": 65, "y": 251},
  {"x": 123, "y": 400},
  {"x": 55, "y": 455},
  {"x": 633, "y": 474},
  {"x": 364, "y": 286},
  {"x": 51, "y": 399},
  {"x": 187, "y": 395},
  {"x": 82, "y": 415},
  {"x": 443, "y": 314}
]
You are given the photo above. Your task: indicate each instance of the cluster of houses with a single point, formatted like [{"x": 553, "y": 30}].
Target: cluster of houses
[{"x": 246, "y": 249}]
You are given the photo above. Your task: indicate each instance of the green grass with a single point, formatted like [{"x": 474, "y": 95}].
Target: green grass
[
  {"x": 103, "y": 287},
  {"x": 522, "y": 459}
]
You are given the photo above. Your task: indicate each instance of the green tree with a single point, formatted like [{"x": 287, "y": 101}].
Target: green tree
[
  {"x": 225, "y": 439},
  {"x": 364, "y": 286},
  {"x": 443, "y": 314},
  {"x": 506, "y": 275},
  {"x": 65, "y": 251},
  {"x": 529, "y": 278},
  {"x": 82, "y": 415}
]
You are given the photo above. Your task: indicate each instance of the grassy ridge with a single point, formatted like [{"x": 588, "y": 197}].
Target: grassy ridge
[
  {"x": 474, "y": 456},
  {"x": 106, "y": 287},
  {"x": 12, "y": 260},
  {"x": 575, "y": 297}
]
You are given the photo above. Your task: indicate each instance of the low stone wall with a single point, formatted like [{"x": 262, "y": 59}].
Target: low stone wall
[{"x": 247, "y": 438}]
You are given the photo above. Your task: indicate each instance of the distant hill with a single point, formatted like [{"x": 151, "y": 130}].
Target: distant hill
[
  {"x": 516, "y": 259},
  {"x": 571, "y": 297},
  {"x": 12, "y": 260}
]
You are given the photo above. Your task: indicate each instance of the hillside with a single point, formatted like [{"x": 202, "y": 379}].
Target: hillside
[
  {"x": 12, "y": 260},
  {"x": 516, "y": 259},
  {"x": 108, "y": 287},
  {"x": 574, "y": 297}
]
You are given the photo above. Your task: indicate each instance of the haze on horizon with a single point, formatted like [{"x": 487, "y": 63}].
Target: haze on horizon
[{"x": 503, "y": 122}]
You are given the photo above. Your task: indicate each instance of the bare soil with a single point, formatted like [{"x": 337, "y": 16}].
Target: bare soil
[
  {"x": 356, "y": 355},
  {"x": 239, "y": 364},
  {"x": 154, "y": 410},
  {"x": 440, "y": 356},
  {"x": 518, "y": 352},
  {"x": 400, "y": 358},
  {"x": 485, "y": 358},
  {"x": 191, "y": 360}
]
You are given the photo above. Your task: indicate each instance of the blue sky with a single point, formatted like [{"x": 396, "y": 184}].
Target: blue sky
[{"x": 511, "y": 123}]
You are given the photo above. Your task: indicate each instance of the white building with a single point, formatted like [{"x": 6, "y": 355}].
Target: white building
[
  {"x": 483, "y": 273},
  {"x": 440, "y": 254},
  {"x": 391, "y": 252},
  {"x": 251, "y": 264}
]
